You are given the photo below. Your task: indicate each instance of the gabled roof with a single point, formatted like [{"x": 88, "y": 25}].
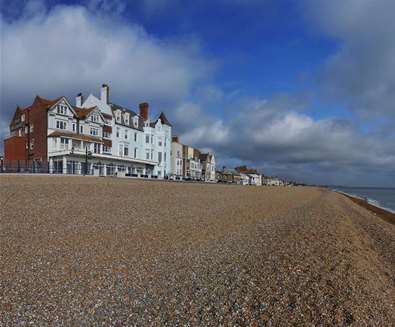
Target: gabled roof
[
  {"x": 82, "y": 113},
  {"x": 164, "y": 119},
  {"x": 38, "y": 103},
  {"x": 45, "y": 103}
]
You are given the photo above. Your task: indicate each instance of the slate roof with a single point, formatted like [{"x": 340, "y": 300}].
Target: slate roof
[
  {"x": 140, "y": 124},
  {"x": 163, "y": 119}
]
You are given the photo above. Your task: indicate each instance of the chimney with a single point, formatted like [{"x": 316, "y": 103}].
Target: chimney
[
  {"x": 78, "y": 100},
  {"x": 105, "y": 93},
  {"x": 144, "y": 110},
  {"x": 175, "y": 139}
]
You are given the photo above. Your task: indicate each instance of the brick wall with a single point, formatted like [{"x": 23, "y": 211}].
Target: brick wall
[
  {"x": 39, "y": 118},
  {"x": 15, "y": 148}
]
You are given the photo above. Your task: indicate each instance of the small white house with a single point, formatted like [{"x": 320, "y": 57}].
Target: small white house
[{"x": 255, "y": 179}]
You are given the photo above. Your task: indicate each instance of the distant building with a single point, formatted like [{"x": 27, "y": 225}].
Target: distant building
[
  {"x": 255, "y": 179},
  {"x": 192, "y": 168},
  {"x": 229, "y": 176},
  {"x": 177, "y": 170},
  {"x": 249, "y": 176},
  {"x": 272, "y": 181},
  {"x": 207, "y": 161}
]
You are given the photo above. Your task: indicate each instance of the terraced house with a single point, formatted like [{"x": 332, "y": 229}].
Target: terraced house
[{"x": 91, "y": 137}]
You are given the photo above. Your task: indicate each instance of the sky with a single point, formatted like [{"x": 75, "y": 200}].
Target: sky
[{"x": 303, "y": 90}]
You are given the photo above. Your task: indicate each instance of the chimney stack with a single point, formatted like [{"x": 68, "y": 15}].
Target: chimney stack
[
  {"x": 144, "y": 110},
  {"x": 175, "y": 139},
  {"x": 105, "y": 93},
  {"x": 78, "y": 100}
]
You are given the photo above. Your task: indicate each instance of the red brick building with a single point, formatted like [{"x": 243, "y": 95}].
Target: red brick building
[{"x": 26, "y": 147}]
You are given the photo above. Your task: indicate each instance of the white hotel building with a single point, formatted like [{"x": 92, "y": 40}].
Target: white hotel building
[{"x": 119, "y": 140}]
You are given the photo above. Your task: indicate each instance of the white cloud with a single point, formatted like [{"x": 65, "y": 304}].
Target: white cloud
[
  {"x": 362, "y": 72},
  {"x": 267, "y": 135},
  {"x": 71, "y": 49}
]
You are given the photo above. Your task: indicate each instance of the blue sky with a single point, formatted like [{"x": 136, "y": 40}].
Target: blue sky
[{"x": 301, "y": 89}]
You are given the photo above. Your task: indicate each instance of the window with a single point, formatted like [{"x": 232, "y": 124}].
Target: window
[
  {"x": 147, "y": 154},
  {"x": 107, "y": 134},
  {"x": 106, "y": 149},
  {"x": 146, "y": 138},
  {"x": 61, "y": 124},
  {"x": 61, "y": 109},
  {"x": 23, "y": 117},
  {"x": 26, "y": 129},
  {"x": 160, "y": 142},
  {"x": 117, "y": 132},
  {"x": 96, "y": 148},
  {"x": 31, "y": 128},
  {"x": 152, "y": 139},
  {"x": 73, "y": 127},
  {"x": 160, "y": 157},
  {"x": 164, "y": 156},
  {"x": 94, "y": 131},
  {"x": 135, "y": 137},
  {"x": 135, "y": 152},
  {"x": 125, "y": 151},
  {"x": 152, "y": 154},
  {"x": 95, "y": 118},
  {"x": 126, "y": 117},
  {"x": 135, "y": 121},
  {"x": 126, "y": 134},
  {"x": 120, "y": 150},
  {"x": 118, "y": 116},
  {"x": 64, "y": 143},
  {"x": 82, "y": 129}
]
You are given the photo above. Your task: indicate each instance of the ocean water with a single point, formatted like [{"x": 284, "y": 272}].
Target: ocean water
[{"x": 382, "y": 197}]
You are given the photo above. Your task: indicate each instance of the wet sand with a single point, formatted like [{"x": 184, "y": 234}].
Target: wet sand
[{"x": 85, "y": 251}]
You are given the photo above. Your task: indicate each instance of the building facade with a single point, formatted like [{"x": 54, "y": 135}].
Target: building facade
[
  {"x": 208, "y": 167},
  {"x": 177, "y": 169},
  {"x": 192, "y": 168},
  {"x": 93, "y": 137}
]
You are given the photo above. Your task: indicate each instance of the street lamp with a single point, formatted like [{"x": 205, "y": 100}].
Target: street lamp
[{"x": 88, "y": 154}]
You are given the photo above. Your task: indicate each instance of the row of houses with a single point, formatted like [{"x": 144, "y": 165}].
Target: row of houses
[
  {"x": 190, "y": 163},
  {"x": 243, "y": 175},
  {"x": 96, "y": 136}
]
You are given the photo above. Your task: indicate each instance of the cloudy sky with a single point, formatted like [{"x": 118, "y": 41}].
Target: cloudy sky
[{"x": 300, "y": 89}]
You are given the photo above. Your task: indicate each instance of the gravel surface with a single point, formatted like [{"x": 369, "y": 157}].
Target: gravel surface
[{"x": 85, "y": 251}]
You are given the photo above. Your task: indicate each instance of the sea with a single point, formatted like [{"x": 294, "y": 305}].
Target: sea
[{"x": 380, "y": 197}]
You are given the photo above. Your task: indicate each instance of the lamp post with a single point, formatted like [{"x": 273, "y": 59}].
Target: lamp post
[{"x": 87, "y": 154}]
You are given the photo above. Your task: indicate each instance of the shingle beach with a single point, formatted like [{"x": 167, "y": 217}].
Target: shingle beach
[{"x": 86, "y": 251}]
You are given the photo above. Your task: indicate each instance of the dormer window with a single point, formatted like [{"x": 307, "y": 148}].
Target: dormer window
[
  {"x": 23, "y": 117},
  {"x": 61, "y": 109},
  {"x": 95, "y": 118},
  {"x": 135, "y": 121},
  {"x": 118, "y": 116},
  {"x": 126, "y": 118}
]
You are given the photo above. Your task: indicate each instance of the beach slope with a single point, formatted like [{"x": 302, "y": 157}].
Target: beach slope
[{"x": 118, "y": 252}]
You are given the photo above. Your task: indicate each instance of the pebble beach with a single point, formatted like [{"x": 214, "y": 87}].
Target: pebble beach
[{"x": 91, "y": 251}]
